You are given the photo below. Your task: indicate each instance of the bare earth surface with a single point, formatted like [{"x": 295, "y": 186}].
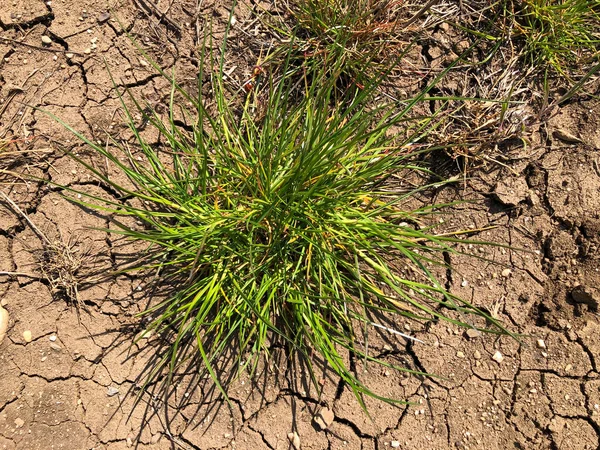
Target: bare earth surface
[{"x": 66, "y": 387}]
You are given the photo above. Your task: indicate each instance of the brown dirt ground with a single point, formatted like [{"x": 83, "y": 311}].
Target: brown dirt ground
[{"x": 66, "y": 388}]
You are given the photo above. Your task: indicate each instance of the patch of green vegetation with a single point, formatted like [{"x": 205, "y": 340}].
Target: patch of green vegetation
[
  {"x": 561, "y": 34},
  {"x": 359, "y": 34},
  {"x": 286, "y": 229}
]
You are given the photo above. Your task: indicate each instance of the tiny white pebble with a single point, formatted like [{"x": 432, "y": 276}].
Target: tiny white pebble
[
  {"x": 498, "y": 357},
  {"x": 541, "y": 343},
  {"x": 53, "y": 338}
]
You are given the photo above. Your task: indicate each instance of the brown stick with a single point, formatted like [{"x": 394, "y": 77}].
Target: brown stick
[
  {"x": 37, "y": 47},
  {"x": 422, "y": 11}
]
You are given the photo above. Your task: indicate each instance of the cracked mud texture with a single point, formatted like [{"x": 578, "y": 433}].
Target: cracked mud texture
[{"x": 67, "y": 388}]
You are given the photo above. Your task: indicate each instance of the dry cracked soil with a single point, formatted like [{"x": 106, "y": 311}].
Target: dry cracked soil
[{"x": 65, "y": 385}]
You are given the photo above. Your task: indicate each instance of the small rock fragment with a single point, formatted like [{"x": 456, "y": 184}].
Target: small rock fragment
[
  {"x": 3, "y": 323},
  {"x": 472, "y": 333},
  {"x": 27, "y": 337},
  {"x": 103, "y": 17},
  {"x": 294, "y": 440},
  {"x": 506, "y": 273},
  {"x": 19, "y": 422},
  {"x": 395, "y": 444},
  {"x": 87, "y": 51},
  {"x": 46, "y": 40},
  {"x": 541, "y": 343},
  {"x": 53, "y": 338},
  {"x": 324, "y": 418},
  {"x": 112, "y": 391},
  {"x": 498, "y": 357},
  {"x": 568, "y": 367},
  {"x": 587, "y": 295},
  {"x": 460, "y": 355},
  {"x": 55, "y": 347},
  {"x": 476, "y": 354},
  {"x": 232, "y": 21},
  {"x": 69, "y": 55}
]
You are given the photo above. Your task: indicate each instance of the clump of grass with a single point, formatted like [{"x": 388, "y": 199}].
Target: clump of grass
[
  {"x": 284, "y": 230},
  {"x": 563, "y": 35},
  {"x": 360, "y": 34}
]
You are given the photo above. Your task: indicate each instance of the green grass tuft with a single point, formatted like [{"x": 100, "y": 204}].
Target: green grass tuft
[
  {"x": 557, "y": 34},
  {"x": 360, "y": 35},
  {"x": 281, "y": 229}
]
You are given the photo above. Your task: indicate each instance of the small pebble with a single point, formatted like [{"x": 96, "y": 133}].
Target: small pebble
[
  {"x": 460, "y": 355},
  {"x": 294, "y": 440},
  {"x": 476, "y": 354},
  {"x": 568, "y": 367},
  {"x": 4, "y": 318},
  {"x": 46, "y": 40},
  {"x": 55, "y": 347},
  {"x": 27, "y": 336},
  {"x": 112, "y": 391},
  {"x": 52, "y": 338},
  {"x": 69, "y": 55},
  {"x": 506, "y": 273},
  {"x": 472, "y": 333},
  {"x": 395, "y": 444},
  {"x": 87, "y": 51},
  {"x": 103, "y": 17},
  {"x": 541, "y": 343},
  {"x": 498, "y": 357},
  {"x": 324, "y": 418}
]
